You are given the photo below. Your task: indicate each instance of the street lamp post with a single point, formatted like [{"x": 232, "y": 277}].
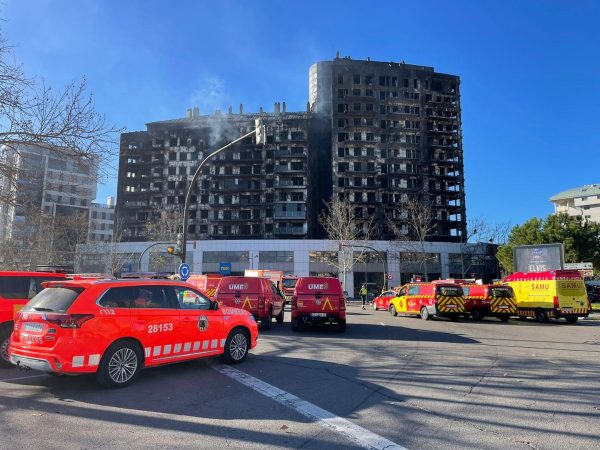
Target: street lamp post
[{"x": 259, "y": 131}]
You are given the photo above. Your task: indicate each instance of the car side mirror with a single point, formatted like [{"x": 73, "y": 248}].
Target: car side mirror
[{"x": 214, "y": 305}]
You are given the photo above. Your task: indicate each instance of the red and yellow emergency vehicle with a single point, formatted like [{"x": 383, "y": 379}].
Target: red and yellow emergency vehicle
[
  {"x": 318, "y": 301},
  {"x": 16, "y": 289},
  {"x": 551, "y": 294},
  {"x": 207, "y": 284},
  {"x": 114, "y": 328},
  {"x": 436, "y": 298},
  {"x": 496, "y": 300}
]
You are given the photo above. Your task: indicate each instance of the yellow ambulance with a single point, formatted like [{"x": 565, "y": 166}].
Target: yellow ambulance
[{"x": 551, "y": 294}]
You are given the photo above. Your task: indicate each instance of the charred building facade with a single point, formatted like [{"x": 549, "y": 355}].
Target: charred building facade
[
  {"x": 378, "y": 134},
  {"x": 251, "y": 191},
  {"x": 396, "y": 136}
]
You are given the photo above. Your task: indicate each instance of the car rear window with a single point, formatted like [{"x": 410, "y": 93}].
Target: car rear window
[
  {"x": 450, "y": 291},
  {"x": 503, "y": 292},
  {"x": 54, "y": 299}
]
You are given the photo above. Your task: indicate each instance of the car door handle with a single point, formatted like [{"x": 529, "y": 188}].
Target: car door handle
[{"x": 188, "y": 319}]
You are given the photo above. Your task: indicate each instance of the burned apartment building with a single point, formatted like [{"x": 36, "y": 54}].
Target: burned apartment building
[
  {"x": 251, "y": 191},
  {"x": 380, "y": 134},
  {"x": 395, "y": 136}
]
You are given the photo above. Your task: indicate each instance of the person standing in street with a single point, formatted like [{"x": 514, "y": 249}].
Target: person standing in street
[{"x": 363, "y": 294}]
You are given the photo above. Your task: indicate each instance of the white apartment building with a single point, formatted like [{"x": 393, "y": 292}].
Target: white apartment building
[
  {"x": 583, "y": 201},
  {"x": 43, "y": 182}
]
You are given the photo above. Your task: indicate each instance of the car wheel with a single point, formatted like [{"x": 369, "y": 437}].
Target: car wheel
[
  {"x": 4, "y": 343},
  {"x": 279, "y": 317},
  {"x": 341, "y": 326},
  {"x": 120, "y": 365},
  {"x": 477, "y": 314},
  {"x": 541, "y": 316},
  {"x": 571, "y": 319},
  {"x": 425, "y": 313},
  {"x": 266, "y": 322},
  {"x": 236, "y": 346},
  {"x": 393, "y": 311},
  {"x": 505, "y": 317}
]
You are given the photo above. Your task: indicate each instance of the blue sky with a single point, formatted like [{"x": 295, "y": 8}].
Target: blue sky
[{"x": 529, "y": 70}]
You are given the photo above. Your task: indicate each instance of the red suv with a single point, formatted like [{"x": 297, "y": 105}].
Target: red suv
[
  {"x": 254, "y": 294},
  {"x": 318, "y": 300},
  {"x": 16, "y": 289},
  {"x": 113, "y": 328}
]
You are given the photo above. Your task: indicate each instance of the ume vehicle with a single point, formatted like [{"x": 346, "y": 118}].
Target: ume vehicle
[
  {"x": 318, "y": 301},
  {"x": 114, "y": 328},
  {"x": 257, "y": 295}
]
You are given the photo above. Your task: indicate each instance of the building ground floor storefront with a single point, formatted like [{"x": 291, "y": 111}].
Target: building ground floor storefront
[{"x": 381, "y": 263}]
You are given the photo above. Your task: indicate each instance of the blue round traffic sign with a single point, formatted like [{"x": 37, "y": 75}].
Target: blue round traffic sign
[{"x": 184, "y": 271}]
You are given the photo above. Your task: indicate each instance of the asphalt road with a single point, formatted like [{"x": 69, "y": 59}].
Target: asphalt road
[{"x": 419, "y": 384}]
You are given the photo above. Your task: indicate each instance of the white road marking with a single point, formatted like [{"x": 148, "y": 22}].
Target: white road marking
[
  {"x": 355, "y": 433},
  {"x": 382, "y": 324},
  {"x": 24, "y": 378}
]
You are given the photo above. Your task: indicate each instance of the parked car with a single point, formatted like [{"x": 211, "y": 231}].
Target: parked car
[
  {"x": 382, "y": 301},
  {"x": 114, "y": 328}
]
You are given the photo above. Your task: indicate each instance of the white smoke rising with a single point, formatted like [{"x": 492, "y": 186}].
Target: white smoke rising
[{"x": 210, "y": 95}]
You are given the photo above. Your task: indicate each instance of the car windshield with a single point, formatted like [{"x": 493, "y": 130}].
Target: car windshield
[{"x": 54, "y": 299}]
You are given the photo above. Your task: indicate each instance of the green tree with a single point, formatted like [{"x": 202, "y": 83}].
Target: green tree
[{"x": 580, "y": 238}]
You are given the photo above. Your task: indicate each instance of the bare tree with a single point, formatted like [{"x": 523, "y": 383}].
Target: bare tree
[
  {"x": 341, "y": 225},
  {"x": 480, "y": 230},
  {"x": 45, "y": 238},
  {"x": 64, "y": 121},
  {"x": 413, "y": 225}
]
